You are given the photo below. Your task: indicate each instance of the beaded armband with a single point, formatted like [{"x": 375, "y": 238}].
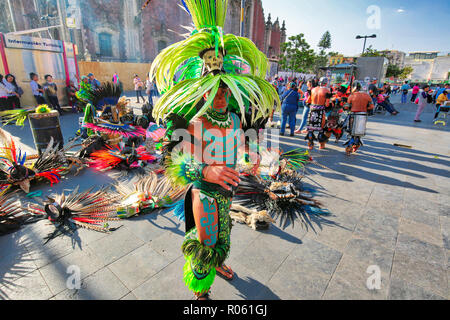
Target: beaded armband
[
  {"x": 183, "y": 169},
  {"x": 194, "y": 171}
]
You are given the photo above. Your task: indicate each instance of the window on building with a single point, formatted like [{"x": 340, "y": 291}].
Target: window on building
[
  {"x": 105, "y": 44},
  {"x": 161, "y": 45}
]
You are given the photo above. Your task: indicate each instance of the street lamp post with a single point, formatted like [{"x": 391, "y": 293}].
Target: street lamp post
[
  {"x": 242, "y": 17},
  {"x": 365, "y": 39}
]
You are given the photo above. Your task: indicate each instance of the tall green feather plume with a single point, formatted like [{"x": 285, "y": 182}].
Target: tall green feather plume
[
  {"x": 19, "y": 116},
  {"x": 207, "y": 13},
  {"x": 170, "y": 61}
]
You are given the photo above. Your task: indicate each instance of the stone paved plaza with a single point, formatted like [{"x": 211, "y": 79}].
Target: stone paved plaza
[{"x": 389, "y": 207}]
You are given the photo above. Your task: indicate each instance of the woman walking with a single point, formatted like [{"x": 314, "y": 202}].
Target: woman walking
[
  {"x": 306, "y": 108},
  {"x": 289, "y": 108},
  {"x": 138, "y": 86},
  {"x": 423, "y": 101}
]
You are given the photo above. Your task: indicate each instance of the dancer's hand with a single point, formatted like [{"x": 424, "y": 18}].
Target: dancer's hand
[{"x": 220, "y": 175}]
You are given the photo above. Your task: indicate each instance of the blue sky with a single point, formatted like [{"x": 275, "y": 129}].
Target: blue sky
[{"x": 408, "y": 25}]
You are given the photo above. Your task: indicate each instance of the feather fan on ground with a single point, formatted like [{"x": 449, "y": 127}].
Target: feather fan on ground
[{"x": 90, "y": 209}]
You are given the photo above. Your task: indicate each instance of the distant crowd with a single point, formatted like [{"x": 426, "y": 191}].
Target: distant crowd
[{"x": 47, "y": 92}]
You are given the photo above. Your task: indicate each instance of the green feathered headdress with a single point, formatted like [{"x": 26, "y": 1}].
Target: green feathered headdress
[{"x": 185, "y": 58}]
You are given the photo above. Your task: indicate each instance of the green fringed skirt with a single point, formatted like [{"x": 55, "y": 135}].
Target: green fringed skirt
[{"x": 201, "y": 260}]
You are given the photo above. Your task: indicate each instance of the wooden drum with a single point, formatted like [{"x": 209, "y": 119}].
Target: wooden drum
[{"x": 44, "y": 126}]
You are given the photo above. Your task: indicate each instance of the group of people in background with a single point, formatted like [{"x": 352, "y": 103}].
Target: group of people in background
[
  {"x": 47, "y": 92},
  {"x": 150, "y": 89},
  {"x": 295, "y": 93},
  {"x": 425, "y": 95}
]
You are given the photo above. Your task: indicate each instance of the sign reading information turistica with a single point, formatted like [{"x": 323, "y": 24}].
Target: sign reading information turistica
[{"x": 33, "y": 43}]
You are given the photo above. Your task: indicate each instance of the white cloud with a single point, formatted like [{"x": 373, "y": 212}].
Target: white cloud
[{"x": 400, "y": 10}]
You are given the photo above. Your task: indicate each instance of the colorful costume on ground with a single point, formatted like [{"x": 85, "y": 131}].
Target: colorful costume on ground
[
  {"x": 89, "y": 209},
  {"x": 210, "y": 58},
  {"x": 16, "y": 170}
]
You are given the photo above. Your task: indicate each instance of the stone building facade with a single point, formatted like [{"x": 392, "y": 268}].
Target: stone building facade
[
  {"x": 118, "y": 30},
  {"x": 429, "y": 66},
  {"x": 395, "y": 57}
]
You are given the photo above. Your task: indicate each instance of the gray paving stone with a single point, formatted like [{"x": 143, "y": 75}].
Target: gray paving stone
[
  {"x": 420, "y": 250},
  {"x": 342, "y": 289},
  {"x": 445, "y": 231},
  {"x": 13, "y": 243},
  {"x": 262, "y": 258},
  {"x": 246, "y": 285},
  {"x": 129, "y": 296},
  {"x": 15, "y": 265},
  {"x": 241, "y": 237},
  {"x": 335, "y": 237},
  {"x": 313, "y": 254},
  {"x": 356, "y": 272},
  {"x": 379, "y": 227},
  {"x": 55, "y": 249},
  {"x": 116, "y": 245},
  {"x": 364, "y": 249},
  {"x": 402, "y": 290},
  {"x": 56, "y": 274},
  {"x": 138, "y": 266},
  {"x": 102, "y": 285},
  {"x": 168, "y": 245},
  {"x": 168, "y": 284},
  {"x": 431, "y": 277},
  {"x": 143, "y": 229},
  {"x": 295, "y": 280},
  {"x": 431, "y": 219},
  {"x": 29, "y": 287},
  {"x": 421, "y": 231},
  {"x": 287, "y": 238}
]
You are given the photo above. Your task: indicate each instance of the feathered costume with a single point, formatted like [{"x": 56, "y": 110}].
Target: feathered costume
[
  {"x": 15, "y": 171},
  {"x": 120, "y": 157},
  {"x": 19, "y": 116},
  {"x": 274, "y": 185},
  {"x": 90, "y": 209},
  {"x": 207, "y": 61},
  {"x": 11, "y": 214},
  {"x": 107, "y": 100},
  {"x": 149, "y": 193}
]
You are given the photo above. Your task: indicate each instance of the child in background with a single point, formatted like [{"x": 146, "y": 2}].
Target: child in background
[
  {"x": 440, "y": 101},
  {"x": 51, "y": 90}
]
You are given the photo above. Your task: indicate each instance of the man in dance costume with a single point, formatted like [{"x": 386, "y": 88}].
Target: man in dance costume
[
  {"x": 320, "y": 100},
  {"x": 209, "y": 102},
  {"x": 359, "y": 102}
]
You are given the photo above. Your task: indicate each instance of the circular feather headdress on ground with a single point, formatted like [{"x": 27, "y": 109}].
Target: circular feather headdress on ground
[{"x": 206, "y": 60}]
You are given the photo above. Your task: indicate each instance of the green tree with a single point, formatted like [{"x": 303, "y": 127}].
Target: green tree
[
  {"x": 371, "y": 52},
  {"x": 406, "y": 71},
  {"x": 393, "y": 71},
  {"x": 325, "y": 41},
  {"x": 297, "y": 55}
]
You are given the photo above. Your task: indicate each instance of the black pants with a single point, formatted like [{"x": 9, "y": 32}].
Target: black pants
[
  {"x": 54, "y": 103},
  {"x": 3, "y": 104},
  {"x": 40, "y": 100},
  {"x": 13, "y": 102},
  {"x": 139, "y": 94},
  {"x": 414, "y": 96}
]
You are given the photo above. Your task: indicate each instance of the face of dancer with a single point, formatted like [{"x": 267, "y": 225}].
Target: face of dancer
[{"x": 220, "y": 102}]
